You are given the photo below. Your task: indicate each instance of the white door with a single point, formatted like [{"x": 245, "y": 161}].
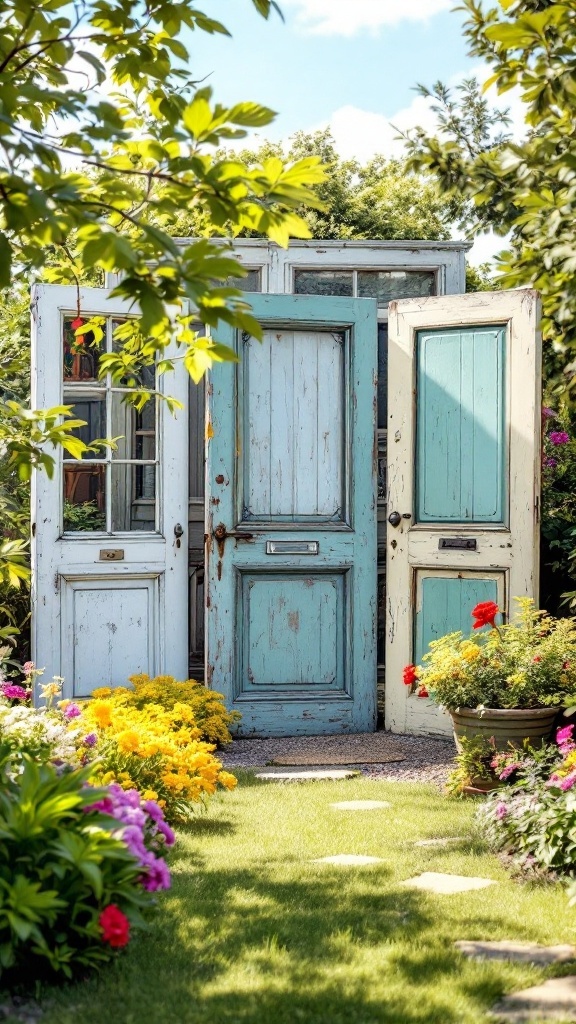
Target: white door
[
  {"x": 463, "y": 474},
  {"x": 110, "y": 545}
]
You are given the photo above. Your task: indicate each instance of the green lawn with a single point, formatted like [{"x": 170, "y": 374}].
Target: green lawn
[{"x": 253, "y": 933}]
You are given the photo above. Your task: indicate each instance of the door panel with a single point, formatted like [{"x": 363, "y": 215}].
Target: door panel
[
  {"x": 106, "y": 559},
  {"x": 463, "y": 473},
  {"x": 291, "y": 498}
]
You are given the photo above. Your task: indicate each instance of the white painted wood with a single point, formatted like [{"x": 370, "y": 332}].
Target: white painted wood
[
  {"x": 511, "y": 549},
  {"x": 72, "y": 588}
]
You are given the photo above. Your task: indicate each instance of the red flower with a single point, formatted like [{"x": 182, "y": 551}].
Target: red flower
[
  {"x": 484, "y": 614},
  {"x": 115, "y": 926},
  {"x": 537, "y": 658},
  {"x": 423, "y": 692},
  {"x": 410, "y": 675},
  {"x": 75, "y": 325}
]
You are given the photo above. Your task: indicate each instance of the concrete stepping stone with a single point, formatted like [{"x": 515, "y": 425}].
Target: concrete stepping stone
[
  {"x": 334, "y": 774},
  {"x": 351, "y": 859},
  {"x": 554, "y": 1000},
  {"x": 521, "y": 952},
  {"x": 445, "y": 884},
  {"x": 440, "y": 842},
  {"x": 360, "y": 805}
]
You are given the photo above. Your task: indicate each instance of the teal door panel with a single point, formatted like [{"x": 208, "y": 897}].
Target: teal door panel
[
  {"x": 445, "y": 605},
  {"x": 460, "y": 436},
  {"x": 291, "y": 595}
]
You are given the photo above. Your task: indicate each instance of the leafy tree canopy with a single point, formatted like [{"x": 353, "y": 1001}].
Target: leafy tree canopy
[
  {"x": 378, "y": 199},
  {"x": 97, "y": 109},
  {"x": 527, "y": 188}
]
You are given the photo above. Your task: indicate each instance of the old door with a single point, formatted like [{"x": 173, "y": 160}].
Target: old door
[
  {"x": 463, "y": 473},
  {"x": 110, "y": 559},
  {"x": 291, "y": 519}
]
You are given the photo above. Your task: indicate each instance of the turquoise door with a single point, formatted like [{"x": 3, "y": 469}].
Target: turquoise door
[{"x": 291, "y": 519}]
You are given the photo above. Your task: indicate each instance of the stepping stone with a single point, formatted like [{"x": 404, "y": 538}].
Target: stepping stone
[
  {"x": 353, "y": 859},
  {"x": 440, "y": 842},
  {"x": 522, "y": 952},
  {"x": 360, "y": 805},
  {"x": 554, "y": 1000},
  {"x": 333, "y": 774},
  {"x": 435, "y": 881}
]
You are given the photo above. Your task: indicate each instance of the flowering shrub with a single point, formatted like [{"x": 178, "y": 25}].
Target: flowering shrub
[
  {"x": 154, "y": 749},
  {"x": 70, "y": 888},
  {"x": 558, "y": 507},
  {"x": 144, "y": 831},
  {"x": 530, "y": 662},
  {"x": 533, "y": 818},
  {"x": 211, "y": 716}
]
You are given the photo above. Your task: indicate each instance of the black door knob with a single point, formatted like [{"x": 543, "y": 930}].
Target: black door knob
[{"x": 394, "y": 518}]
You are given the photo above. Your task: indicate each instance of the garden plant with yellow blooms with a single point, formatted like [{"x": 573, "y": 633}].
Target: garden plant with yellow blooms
[
  {"x": 529, "y": 662},
  {"x": 155, "y": 749}
]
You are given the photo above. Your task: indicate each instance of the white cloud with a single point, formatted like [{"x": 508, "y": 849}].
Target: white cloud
[{"x": 347, "y": 17}]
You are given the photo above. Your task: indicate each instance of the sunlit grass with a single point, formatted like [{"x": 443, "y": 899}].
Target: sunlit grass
[{"x": 254, "y": 933}]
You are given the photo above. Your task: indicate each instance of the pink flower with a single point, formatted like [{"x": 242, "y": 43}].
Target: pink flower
[
  {"x": 507, "y": 771},
  {"x": 28, "y": 668},
  {"x": 501, "y": 809},
  {"x": 550, "y": 462},
  {"x": 559, "y": 437},
  {"x": 72, "y": 711},
  {"x": 565, "y": 735},
  {"x": 547, "y": 412},
  {"x": 12, "y": 691},
  {"x": 568, "y": 782}
]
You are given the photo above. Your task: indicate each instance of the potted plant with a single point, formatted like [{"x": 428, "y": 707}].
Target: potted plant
[{"x": 508, "y": 681}]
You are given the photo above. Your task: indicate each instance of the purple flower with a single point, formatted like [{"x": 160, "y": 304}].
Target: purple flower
[
  {"x": 501, "y": 809},
  {"x": 167, "y": 832},
  {"x": 90, "y": 740},
  {"x": 134, "y": 839},
  {"x": 551, "y": 463},
  {"x": 507, "y": 771},
  {"x": 157, "y": 874},
  {"x": 72, "y": 711},
  {"x": 13, "y": 691},
  {"x": 154, "y": 810},
  {"x": 547, "y": 412},
  {"x": 568, "y": 782},
  {"x": 559, "y": 437}
]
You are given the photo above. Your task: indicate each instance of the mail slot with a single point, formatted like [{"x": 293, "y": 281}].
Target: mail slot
[
  {"x": 292, "y": 547},
  {"x": 111, "y": 554},
  {"x": 458, "y": 543}
]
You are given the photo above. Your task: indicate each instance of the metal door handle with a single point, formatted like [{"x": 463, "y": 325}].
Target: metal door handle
[
  {"x": 394, "y": 519},
  {"x": 221, "y": 533},
  {"x": 178, "y": 531}
]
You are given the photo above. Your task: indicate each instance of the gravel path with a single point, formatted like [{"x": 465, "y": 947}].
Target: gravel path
[{"x": 426, "y": 759}]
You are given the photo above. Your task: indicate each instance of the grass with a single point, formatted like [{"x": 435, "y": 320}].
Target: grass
[{"x": 253, "y": 933}]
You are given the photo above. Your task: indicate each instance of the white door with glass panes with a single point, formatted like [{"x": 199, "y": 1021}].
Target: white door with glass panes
[{"x": 110, "y": 545}]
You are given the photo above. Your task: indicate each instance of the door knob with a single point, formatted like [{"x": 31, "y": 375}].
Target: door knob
[
  {"x": 178, "y": 531},
  {"x": 394, "y": 518}
]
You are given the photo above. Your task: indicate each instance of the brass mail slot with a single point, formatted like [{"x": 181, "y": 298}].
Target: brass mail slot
[
  {"x": 458, "y": 543},
  {"x": 111, "y": 554},
  {"x": 292, "y": 547}
]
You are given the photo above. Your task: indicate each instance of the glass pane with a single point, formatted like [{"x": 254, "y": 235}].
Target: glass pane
[
  {"x": 382, "y": 375},
  {"x": 134, "y": 432},
  {"x": 93, "y": 411},
  {"x": 133, "y": 497},
  {"x": 323, "y": 282},
  {"x": 84, "y": 498},
  {"x": 251, "y": 283},
  {"x": 386, "y": 285},
  {"x": 145, "y": 376},
  {"x": 80, "y": 354}
]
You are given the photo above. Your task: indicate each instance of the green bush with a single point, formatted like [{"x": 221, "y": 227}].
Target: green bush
[{"x": 60, "y": 871}]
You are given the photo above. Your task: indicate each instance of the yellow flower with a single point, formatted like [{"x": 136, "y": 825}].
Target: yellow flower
[
  {"x": 128, "y": 741},
  {"x": 107, "y": 778},
  {"x": 101, "y": 712},
  {"x": 102, "y": 691},
  {"x": 470, "y": 651},
  {"x": 50, "y": 689},
  {"x": 149, "y": 794}
]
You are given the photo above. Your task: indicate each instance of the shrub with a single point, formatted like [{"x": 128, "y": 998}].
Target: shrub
[
  {"x": 154, "y": 749},
  {"x": 70, "y": 890},
  {"x": 210, "y": 713},
  {"x": 533, "y": 818}
]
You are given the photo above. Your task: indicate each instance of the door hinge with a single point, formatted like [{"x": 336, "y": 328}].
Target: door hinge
[{"x": 57, "y": 582}]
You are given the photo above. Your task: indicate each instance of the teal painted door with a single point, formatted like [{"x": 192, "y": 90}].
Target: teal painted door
[
  {"x": 291, "y": 519},
  {"x": 463, "y": 474}
]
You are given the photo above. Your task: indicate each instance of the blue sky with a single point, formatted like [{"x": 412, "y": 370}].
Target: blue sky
[{"x": 350, "y": 64}]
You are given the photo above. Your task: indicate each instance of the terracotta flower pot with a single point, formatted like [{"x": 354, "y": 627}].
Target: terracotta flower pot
[{"x": 506, "y": 725}]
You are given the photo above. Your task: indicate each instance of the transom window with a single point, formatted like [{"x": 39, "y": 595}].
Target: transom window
[
  {"x": 383, "y": 285},
  {"x": 108, "y": 490}
]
